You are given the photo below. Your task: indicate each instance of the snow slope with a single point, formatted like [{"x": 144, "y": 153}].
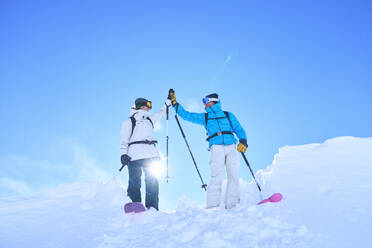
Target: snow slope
[{"x": 326, "y": 187}]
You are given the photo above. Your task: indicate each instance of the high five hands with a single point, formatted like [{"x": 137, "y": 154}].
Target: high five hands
[{"x": 172, "y": 96}]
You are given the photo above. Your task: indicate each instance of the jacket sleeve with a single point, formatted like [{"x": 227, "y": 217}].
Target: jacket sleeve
[
  {"x": 198, "y": 118},
  {"x": 126, "y": 130},
  {"x": 159, "y": 115},
  {"x": 237, "y": 128}
]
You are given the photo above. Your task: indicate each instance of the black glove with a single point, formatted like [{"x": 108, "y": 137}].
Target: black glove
[
  {"x": 172, "y": 96},
  {"x": 124, "y": 160}
]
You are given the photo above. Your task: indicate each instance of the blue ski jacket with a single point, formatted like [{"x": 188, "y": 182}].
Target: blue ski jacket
[{"x": 217, "y": 122}]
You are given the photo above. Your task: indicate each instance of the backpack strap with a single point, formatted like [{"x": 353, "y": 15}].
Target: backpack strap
[
  {"x": 227, "y": 114},
  {"x": 147, "y": 142},
  {"x": 219, "y": 134},
  {"x": 228, "y": 117},
  {"x": 152, "y": 124},
  {"x": 133, "y": 124}
]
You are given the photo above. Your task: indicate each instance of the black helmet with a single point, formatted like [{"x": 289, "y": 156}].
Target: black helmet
[{"x": 141, "y": 102}]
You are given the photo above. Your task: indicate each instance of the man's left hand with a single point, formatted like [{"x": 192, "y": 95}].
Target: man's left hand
[{"x": 242, "y": 147}]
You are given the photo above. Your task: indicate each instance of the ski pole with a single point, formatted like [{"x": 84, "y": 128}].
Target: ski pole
[
  {"x": 246, "y": 161},
  {"x": 204, "y": 186},
  {"x": 167, "y": 140},
  {"x": 121, "y": 168}
]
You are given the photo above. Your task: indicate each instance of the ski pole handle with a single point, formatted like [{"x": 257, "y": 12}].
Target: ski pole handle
[{"x": 125, "y": 159}]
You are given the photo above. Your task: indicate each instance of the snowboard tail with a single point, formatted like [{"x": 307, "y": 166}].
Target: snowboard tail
[{"x": 134, "y": 207}]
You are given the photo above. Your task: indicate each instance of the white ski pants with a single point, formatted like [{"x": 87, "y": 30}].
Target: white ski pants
[{"x": 222, "y": 157}]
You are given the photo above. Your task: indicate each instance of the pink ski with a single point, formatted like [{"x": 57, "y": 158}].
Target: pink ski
[{"x": 277, "y": 197}]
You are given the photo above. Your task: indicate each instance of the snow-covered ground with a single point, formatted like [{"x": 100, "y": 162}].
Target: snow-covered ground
[{"x": 327, "y": 202}]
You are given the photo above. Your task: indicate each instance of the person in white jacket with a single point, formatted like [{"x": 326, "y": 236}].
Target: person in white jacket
[{"x": 138, "y": 150}]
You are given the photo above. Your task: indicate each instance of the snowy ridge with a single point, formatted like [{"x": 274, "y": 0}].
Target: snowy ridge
[
  {"x": 193, "y": 226},
  {"x": 327, "y": 190}
]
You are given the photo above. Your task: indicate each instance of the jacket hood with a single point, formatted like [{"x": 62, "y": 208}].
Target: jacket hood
[{"x": 215, "y": 108}]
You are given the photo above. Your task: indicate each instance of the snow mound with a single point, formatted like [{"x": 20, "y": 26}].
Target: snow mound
[
  {"x": 69, "y": 216},
  {"x": 328, "y": 186},
  {"x": 193, "y": 226},
  {"x": 327, "y": 190}
]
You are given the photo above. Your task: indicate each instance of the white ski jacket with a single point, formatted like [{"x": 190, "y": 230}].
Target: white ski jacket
[{"x": 143, "y": 130}]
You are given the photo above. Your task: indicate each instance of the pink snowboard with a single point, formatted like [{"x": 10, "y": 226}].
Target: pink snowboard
[
  {"x": 277, "y": 197},
  {"x": 134, "y": 207}
]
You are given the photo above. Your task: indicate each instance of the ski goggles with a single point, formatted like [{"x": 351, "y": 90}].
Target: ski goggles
[
  {"x": 149, "y": 104},
  {"x": 207, "y": 100}
]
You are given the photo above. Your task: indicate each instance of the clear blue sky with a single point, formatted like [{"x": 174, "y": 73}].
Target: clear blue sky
[{"x": 293, "y": 72}]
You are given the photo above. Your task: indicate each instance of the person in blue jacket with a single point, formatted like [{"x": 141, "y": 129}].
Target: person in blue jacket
[{"x": 221, "y": 127}]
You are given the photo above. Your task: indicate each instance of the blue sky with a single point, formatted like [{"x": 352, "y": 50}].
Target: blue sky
[{"x": 293, "y": 72}]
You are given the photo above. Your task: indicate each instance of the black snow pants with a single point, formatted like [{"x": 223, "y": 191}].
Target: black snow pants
[{"x": 135, "y": 169}]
